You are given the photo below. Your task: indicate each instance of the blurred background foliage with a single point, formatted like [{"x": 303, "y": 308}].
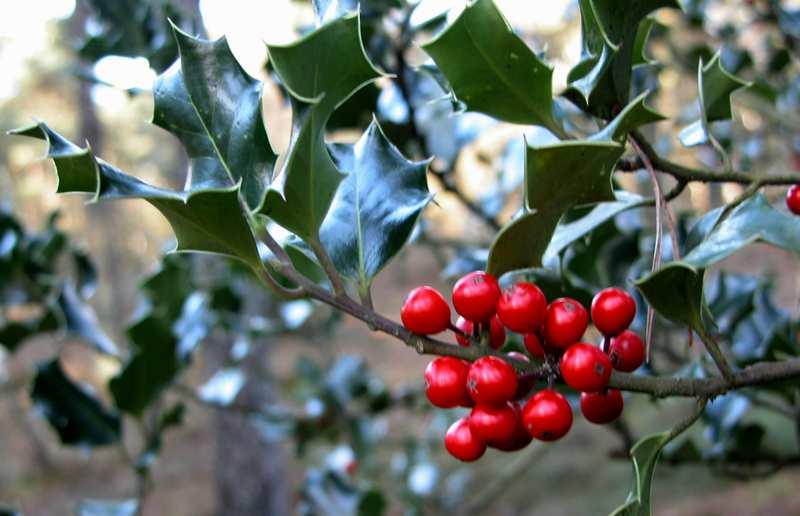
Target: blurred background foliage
[{"x": 265, "y": 407}]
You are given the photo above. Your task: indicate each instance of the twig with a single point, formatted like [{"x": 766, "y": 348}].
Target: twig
[
  {"x": 706, "y": 175},
  {"x": 327, "y": 265},
  {"x": 716, "y": 355},
  {"x": 684, "y": 425},
  {"x": 659, "y": 198}
]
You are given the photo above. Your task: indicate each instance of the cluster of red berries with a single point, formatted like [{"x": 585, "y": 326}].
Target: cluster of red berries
[
  {"x": 793, "y": 199},
  {"x": 551, "y": 333}
]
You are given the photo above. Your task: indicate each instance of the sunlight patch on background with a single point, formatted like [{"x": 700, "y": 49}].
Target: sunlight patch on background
[
  {"x": 249, "y": 25},
  {"x": 125, "y": 72},
  {"x": 25, "y": 32}
]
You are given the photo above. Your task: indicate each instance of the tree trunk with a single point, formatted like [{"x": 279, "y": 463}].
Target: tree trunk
[{"x": 250, "y": 470}]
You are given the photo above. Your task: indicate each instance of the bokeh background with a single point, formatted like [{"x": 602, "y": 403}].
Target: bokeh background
[{"x": 109, "y": 103}]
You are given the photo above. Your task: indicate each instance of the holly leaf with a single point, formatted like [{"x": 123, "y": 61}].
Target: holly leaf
[
  {"x": 715, "y": 86},
  {"x": 645, "y": 455},
  {"x": 635, "y": 115},
  {"x": 557, "y": 178},
  {"x": 765, "y": 335},
  {"x": 492, "y": 70},
  {"x": 80, "y": 319},
  {"x": 213, "y": 107},
  {"x": 168, "y": 287},
  {"x": 152, "y": 367},
  {"x": 134, "y": 28},
  {"x": 204, "y": 220},
  {"x": 676, "y": 290},
  {"x": 74, "y": 413},
  {"x": 569, "y": 232},
  {"x": 614, "y": 35},
  {"x": 320, "y": 72},
  {"x": 375, "y": 208}
]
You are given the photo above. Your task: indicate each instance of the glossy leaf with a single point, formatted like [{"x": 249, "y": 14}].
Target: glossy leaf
[
  {"x": 320, "y": 71},
  {"x": 557, "y": 177},
  {"x": 614, "y": 34},
  {"x": 715, "y": 85},
  {"x": 211, "y": 221},
  {"x": 169, "y": 286},
  {"x": 492, "y": 70},
  {"x": 79, "y": 319},
  {"x": 645, "y": 454},
  {"x": 74, "y": 413},
  {"x": 752, "y": 221},
  {"x": 375, "y": 208},
  {"x": 569, "y": 232},
  {"x": 152, "y": 367},
  {"x": 210, "y": 103},
  {"x": 635, "y": 115},
  {"x": 134, "y": 28},
  {"x": 765, "y": 335}
]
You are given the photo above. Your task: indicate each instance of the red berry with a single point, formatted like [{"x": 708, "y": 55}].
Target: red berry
[
  {"x": 613, "y": 310},
  {"x": 601, "y": 407},
  {"x": 525, "y": 382},
  {"x": 491, "y": 380},
  {"x": 565, "y": 322},
  {"x": 585, "y": 367},
  {"x": 497, "y": 334},
  {"x": 461, "y": 443},
  {"x": 793, "y": 199},
  {"x": 425, "y": 311},
  {"x": 518, "y": 440},
  {"x": 534, "y": 346},
  {"x": 446, "y": 382},
  {"x": 626, "y": 352},
  {"x": 547, "y": 416},
  {"x": 493, "y": 422},
  {"x": 475, "y": 296},
  {"x": 522, "y": 307}
]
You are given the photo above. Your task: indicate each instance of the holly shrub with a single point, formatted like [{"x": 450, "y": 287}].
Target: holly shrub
[{"x": 584, "y": 295}]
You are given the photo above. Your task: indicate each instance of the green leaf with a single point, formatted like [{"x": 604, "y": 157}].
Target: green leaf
[
  {"x": 645, "y": 455},
  {"x": 210, "y": 103},
  {"x": 209, "y": 220},
  {"x": 567, "y": 233},
  {"x": 614, "y": 35},
  {"x": 73, "y": 412},
  {"x": 79, "y": 319},
  {"x": 492, "y": 70},
  {"x": 375, "y": 208},
  {"x": 640, "y": 42},
  {"x": 676, "y": 290},
  {"x": 320, "y": 71},
  {"x": 372, "y": 503},
  {"x": 715, "y": 85},
  {"x": 135, "y": 28},
  {"x": 153, "y": 366},
  {"x": 635, "y": 115},
  {"x": 557, "y": 178},
  {"x": 168, "y": 287}
]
